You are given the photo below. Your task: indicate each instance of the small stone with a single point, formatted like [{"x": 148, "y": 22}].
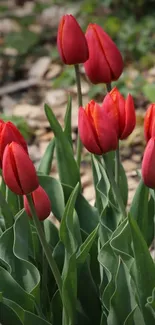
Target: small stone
[
  {"x": 40, "y": 67},
  {"x": 129, "y": 165},
  {"x": 34, "y": 152},
  {"x": 84, "y": 87},
  {"x": 126, "y": 152},
  {"x": 46, "y": 137},
  {"x": 136, "y": 158},
  {"x": 56, "y": 97},
  {"x": 8, "y": 103},
  {"x": 54, "y": 71},
  {"x": 89, "y": 192}
]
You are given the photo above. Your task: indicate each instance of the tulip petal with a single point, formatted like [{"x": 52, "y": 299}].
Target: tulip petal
[
  {"x": 149, "y": 122},
  {"x": 130, "y": 117},
  {"x": 9, "y": 172},
  {"x": 111, "y": 52},
  {"x": 86, "y": 132},
  {"x": 110, "y": 107},
  {"x": 41, "y": 202},
  {"x": 106, "y": 132},
  {"x": 71, "y": 41},
  {"x": 96, "y": 67},
  {"x": 25, "y": 169},
  {"x": 148, "y": 164}
]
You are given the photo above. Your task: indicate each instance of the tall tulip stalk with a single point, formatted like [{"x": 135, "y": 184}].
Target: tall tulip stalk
[{"x": 64, "y": 261}]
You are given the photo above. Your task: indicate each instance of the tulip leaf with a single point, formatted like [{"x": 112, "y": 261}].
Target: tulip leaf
[
  {"x": 32, "y": 319},
  {"x": 67, "y": 166},
  {"x": 144, "y": 277},
  {"x": 123, "y": 184},
  {"x": 120, "y": 309},
  {"x": 25, "y": 272},
  {"x": 69, "y": 275},
  {"x": 151, "y": 303},
  {"x": 8, "y": 315},
  {"x": 55, "y": 192},
  {"x": 51, "y": 233},
  {"x": 6, "y": 211},
  {"x": 86, "y": 246},
  {"x": 142, "y": 210},
  {"x": 56, "y": 306},
  {"x": 13, "y": 291},
  {"x": 12, "y": 200},
  {"x": 68, "y": 121},
  {"x": 46, "y": 160},
  {"x": 66, "y": 227}
]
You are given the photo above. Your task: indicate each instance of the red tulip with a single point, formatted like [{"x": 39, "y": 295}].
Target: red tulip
[
  {"x": 18, "y": 170},
  {"x": 71, "y": 41},
  {"x": 9, "y": 133},
  {"x": 105, "y": 62},
  {"x": 121, "y": 111},
  {"x": 149, "y": 122},
  {"x": 148, "y": 164},
  {"x": 41, "y": 203},
  {"x": 96, "y": 129}
]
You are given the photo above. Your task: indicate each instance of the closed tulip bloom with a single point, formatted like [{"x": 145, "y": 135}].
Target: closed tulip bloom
[
  {"x": 71, "y": 41},
  {"x": 105, "y": 62},
  {"x": 9, "y": 133},
  {"x": 41, "y": 203},
  {"x": 121, "y": 111},
  {"x": 96, "y": 129},
  {"x": 18, "y": 170},
  {"x": 148, "y": 164},
  {"x": 149, "y": 122}
]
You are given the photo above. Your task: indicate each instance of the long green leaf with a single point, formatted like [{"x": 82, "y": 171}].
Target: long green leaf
[{"x": 47, "y": 158}]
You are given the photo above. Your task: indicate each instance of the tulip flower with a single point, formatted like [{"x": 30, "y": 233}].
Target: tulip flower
[
  {"x": 18, "y": 170},
  {"x": 105, "y": 62},
  {"x": 96, "y": 129},
  {"x": 121, "y": 111},
  {"x": 148, "y": 164},
  {"x": 9, "y": 133},
  {"x": 71, "y": 41},
  {"x": 149, "y": 122},
  {"x": 41, "y": 203}
]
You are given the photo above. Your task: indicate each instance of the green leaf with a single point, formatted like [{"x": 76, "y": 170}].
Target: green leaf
[
  {"x": 120, "y": 309},
  {"x": 8, "y": 316},
  {"x": 144, "y": 275},
  {"x": 22, "y": 41},
  {"x": 6, "y": 211},
  {"x": 151, "y": 303},
  {"x": 86, "y": 246},
  {"x": 46, "y": 160},
  {"x": 68, "y": 121},
  {"x": 123, "y": 184},
  {"x": 66, "y": 227},
  {"x": 12, "y": 200},
  {"x": 55, "y": 193},
  {"x": 51, "y": 233},
  {"x": 32, "y": 319},
  {"x": 143, "y": 212},
  {"x": 13, "y": 291},
  {"x": 56, "y": 306},
  {"x": 67, "y": 166}
]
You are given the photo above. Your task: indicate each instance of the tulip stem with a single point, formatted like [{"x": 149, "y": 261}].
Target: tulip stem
[
  {"x": 117, "y": 163},
  {"x": 115, "y": 187},
  {"x": 45, "y": 246},
  {"x": 108, "y": 86},
  {"x": 79, "y": 93}
]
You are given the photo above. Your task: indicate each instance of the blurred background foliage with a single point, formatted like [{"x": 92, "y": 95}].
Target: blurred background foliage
[{"x": 129, "y": 23}]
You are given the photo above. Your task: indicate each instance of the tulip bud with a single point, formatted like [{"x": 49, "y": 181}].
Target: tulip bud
[
  {"x": 71, "y": 41},
  {"x": 148, "y": 164},
  {"x": 18, "y": 170},
  {"x": 41, "y": 203},
  {"x": 149, "y": 122},
  {"x": 96, "y": 129},
  {"x": 105, "y": 62},
  {"x": 121, "y": 111},
  {"x": 9, "y": 133}
]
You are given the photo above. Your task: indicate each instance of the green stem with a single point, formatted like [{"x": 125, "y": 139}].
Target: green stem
[
  {"x": 154, "y": 229},
  {"x": 6, "y": 211},
  {"x": 108, "y": 86},
  {"x": 79, "y": 93},
  {"x": 115, "y": 188},
  {"x": 45, "y": 246},
  {"x": 117, "y": 165}
]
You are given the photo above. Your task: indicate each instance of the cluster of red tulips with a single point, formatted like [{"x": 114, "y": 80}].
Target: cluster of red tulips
[
  {"x": 101, "y": 126},
  {"x": 18, "y": 170}
]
